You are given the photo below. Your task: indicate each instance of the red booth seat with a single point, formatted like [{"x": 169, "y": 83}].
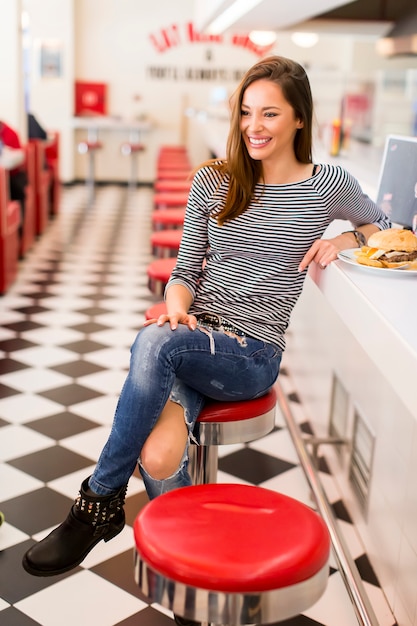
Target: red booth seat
[
  {"x": 52, "y": 156},
  {"x": 28, "y": 226},
  {"x": 9, "y": 234},
  {"x": 43, "y": 181}
]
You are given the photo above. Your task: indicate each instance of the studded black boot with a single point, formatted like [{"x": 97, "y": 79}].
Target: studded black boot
[{"x": 91, "y": 519}]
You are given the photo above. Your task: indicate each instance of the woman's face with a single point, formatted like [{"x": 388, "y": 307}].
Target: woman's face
[{"x": 268, "y": 123}]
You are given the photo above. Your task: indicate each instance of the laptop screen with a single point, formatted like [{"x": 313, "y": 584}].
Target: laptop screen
[{"x": 397, "y": 189}]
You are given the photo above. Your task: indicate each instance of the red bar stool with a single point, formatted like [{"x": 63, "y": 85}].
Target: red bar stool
[
  {"x": 172, "y": 185},
  {"x": 90, "y": 148},
  {"x": 224, "y": 423},
  {"x": 132, "y": 149},
  {"x": 155, "y": 311},
  {"x": 9, "y": 234},
  {"x": 168, "y": 218},
  {"x": 166, "y": 173},
  {"x": 231, "y": 554},
  {"x": 168, "y": 199},
  {"x": 159, "y": 272},
  {"x": 166, "y": 242},
  {"x": 172, "y": 149}
]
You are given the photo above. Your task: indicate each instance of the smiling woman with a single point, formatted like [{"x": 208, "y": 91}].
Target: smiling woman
[{"x": 253, "y": 224}]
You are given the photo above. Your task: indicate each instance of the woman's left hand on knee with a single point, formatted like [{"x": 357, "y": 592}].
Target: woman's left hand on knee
[{"x": 173, "y": 319}]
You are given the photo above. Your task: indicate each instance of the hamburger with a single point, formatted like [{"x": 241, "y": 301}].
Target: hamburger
[{"x": 393, "y": 247}]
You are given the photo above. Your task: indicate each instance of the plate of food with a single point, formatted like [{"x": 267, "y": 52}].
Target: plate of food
[{"x": 390, "y": 250}]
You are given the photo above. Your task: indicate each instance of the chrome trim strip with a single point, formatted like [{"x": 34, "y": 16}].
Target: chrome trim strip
[{"x": 348, "y": 570}]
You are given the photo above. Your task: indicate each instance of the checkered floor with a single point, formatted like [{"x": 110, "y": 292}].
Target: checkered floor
[{"x": 66, "y": 327}]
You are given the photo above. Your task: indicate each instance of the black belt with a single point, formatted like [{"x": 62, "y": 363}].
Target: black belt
[{"x": 216, "y": 322}]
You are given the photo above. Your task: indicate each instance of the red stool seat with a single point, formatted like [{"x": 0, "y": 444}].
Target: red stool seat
[
  {"x": 162, "y": 218},
  {"x": 172, "y": 148},
  {"x": 88, "y": 146},
  {"x": 167, "y": 199},
  {"x": 231, "y": 539},
  {"x": 127, "y": 148},
  {"x": 166, "y": 173},
  {"x": 215, "y": 411},
  {"x": 159, "y": 272},
  {"x": 155, "y": 311},
  {"x": 174, "y": 163},
  {"x": 172, "y": 185},
  {"x": 166, "y": 239}
]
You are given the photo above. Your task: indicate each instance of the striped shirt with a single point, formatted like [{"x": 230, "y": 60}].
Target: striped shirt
[{"x": 247, "y": 270}]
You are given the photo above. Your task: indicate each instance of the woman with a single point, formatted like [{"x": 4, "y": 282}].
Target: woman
[{"x": 254, "y": 223}]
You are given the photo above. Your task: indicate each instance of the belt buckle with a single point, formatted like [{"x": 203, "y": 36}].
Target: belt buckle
[{"x": 211, "y": 319}]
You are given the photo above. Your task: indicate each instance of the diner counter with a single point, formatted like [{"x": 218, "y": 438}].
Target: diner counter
[
  {"x": 352, "y": 355},
  {"x": 378, "y": 307},
  {"x": 94, "y": 124}
]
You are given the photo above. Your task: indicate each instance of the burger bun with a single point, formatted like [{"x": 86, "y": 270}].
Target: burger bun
[{"x": 395, "y": 239}]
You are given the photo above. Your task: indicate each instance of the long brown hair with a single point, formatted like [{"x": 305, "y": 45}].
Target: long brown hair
[{"x": 245, "y": 172}]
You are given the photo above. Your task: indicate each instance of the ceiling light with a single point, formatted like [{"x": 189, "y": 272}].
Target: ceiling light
[
  {"x": 231, "y": 15},
  {"x": 263, "y": 37},
  {"x": 304, "y": 40}
]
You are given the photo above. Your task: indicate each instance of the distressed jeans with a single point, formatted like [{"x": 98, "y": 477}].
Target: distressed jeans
[{"x": 185, "y": 366}]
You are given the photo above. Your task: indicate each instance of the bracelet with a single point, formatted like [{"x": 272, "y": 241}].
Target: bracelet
[{"x": 360, "y": 237}]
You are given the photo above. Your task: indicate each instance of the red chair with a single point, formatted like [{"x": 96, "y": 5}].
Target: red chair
[
  {"x": 9, "y": 234},
  {"x": 52, "y": 156},
  {"x": 28, "y": 222},
  {"x": 43, "y": 180}
]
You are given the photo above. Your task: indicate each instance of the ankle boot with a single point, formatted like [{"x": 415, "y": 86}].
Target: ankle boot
[{"x": 91, "y": 519}]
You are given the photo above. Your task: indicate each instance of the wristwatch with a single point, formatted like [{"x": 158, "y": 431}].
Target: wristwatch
[{"x": 360, "y": 237}]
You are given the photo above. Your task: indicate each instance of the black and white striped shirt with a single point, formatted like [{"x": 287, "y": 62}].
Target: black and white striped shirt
[{"x": 247, "y": 270}]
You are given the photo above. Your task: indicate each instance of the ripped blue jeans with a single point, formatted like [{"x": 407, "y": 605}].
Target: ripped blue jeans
[{"x": 185, "y": 366}]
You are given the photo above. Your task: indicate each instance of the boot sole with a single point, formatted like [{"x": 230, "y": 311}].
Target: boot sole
[{"x": 44, "y": 573}]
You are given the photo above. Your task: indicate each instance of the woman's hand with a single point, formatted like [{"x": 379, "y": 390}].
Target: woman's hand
[
  {"x": 173, "y": 320},
  {"x": 322, "y": 252}
]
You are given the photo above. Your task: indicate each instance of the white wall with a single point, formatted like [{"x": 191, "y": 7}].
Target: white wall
[
  {"x": 51, "y": 98},
  {"x": 11, "y": 67}
]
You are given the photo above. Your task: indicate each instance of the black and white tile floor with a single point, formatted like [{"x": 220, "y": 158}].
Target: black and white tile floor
[{"x": 65, "y": 330}]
